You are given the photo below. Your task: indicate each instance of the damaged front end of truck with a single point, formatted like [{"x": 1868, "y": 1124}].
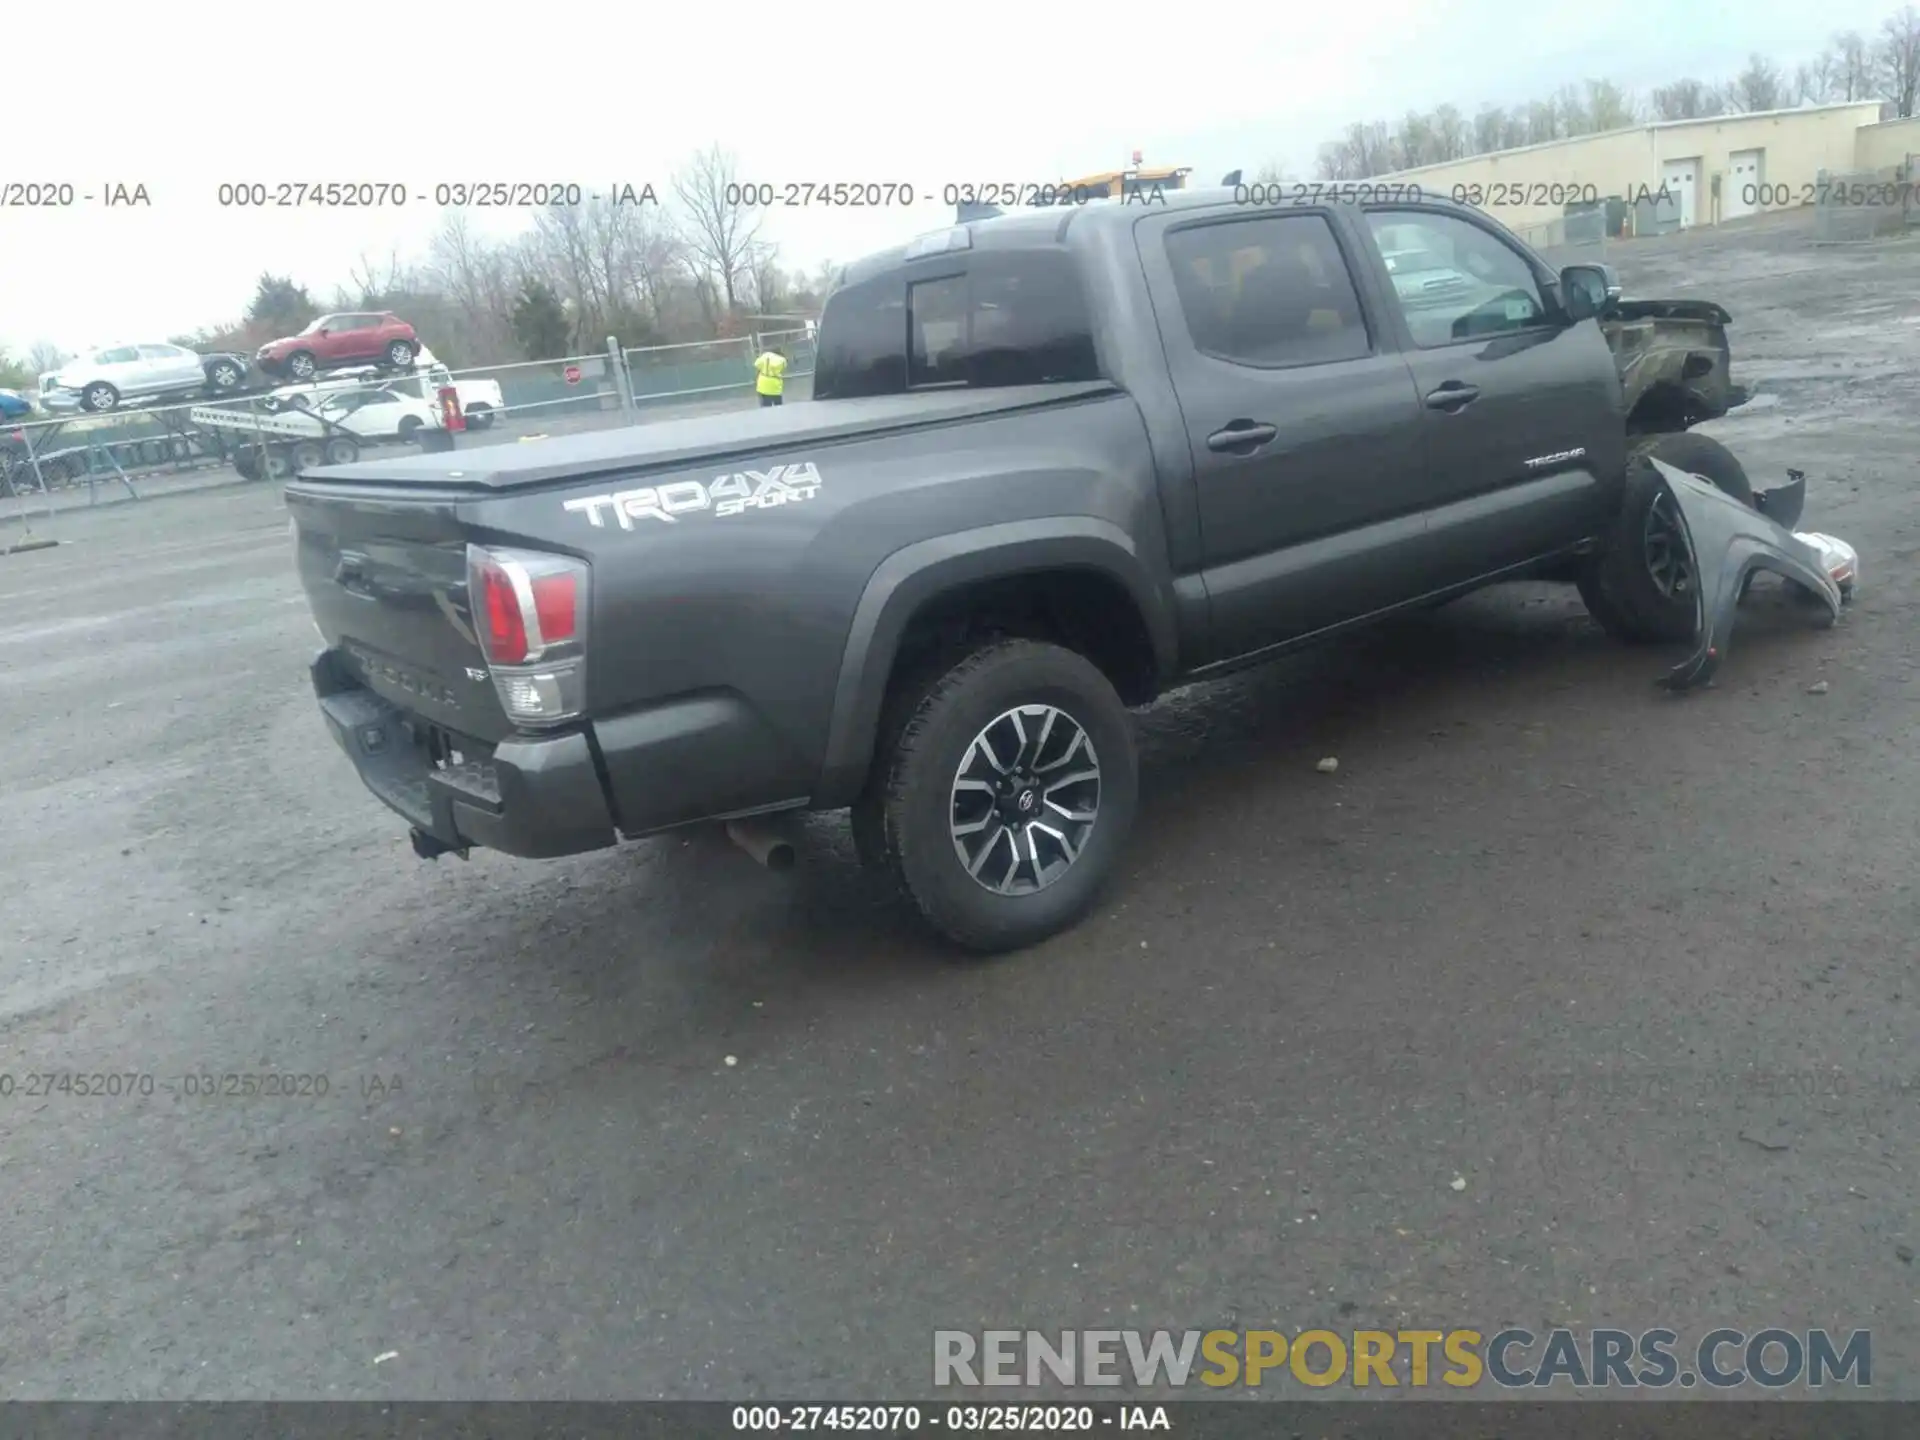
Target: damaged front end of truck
[{"x": 1675, "y": 361}]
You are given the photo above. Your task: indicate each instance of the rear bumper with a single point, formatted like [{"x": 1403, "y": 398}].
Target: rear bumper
[
  {"x": 697, "y": 758},
  {"x": 536, "y": 798}
]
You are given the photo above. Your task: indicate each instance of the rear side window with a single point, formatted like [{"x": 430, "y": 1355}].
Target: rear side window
[
  {"x": 1005, "y": 318},
  {"x": 1269, "y": 292}
]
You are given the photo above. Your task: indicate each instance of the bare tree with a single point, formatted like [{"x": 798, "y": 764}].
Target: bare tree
[
  {"x": 1851, "y": 65},
  {"x": 1899, "y": 57},
  {"x": 368, "y": 280},
  {"x": 1609, "y": 107},
  {"x": 1687, "y": 99},
  {"x": 1815, "y": 81},
  {"x": 719, "y": 230},
  {"x": 769, "y": 283},
  {"x": 1543, "y": 122},
  {"x": 1413, "y": 140},
  {"x": 1451, "y": 137},
  {"x": 1489, "y": 129},
  {"x": 1758, "y": 87},
  {"x": 44, "y": 356},
  {"x": 1334, "y": 161},
  {"x": 1570, "y": 113}
]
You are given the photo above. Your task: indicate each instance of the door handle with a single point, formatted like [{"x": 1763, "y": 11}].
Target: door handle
[
  {"x": 1241, "y": 437},
  {"x": 1453, "y": 395}
]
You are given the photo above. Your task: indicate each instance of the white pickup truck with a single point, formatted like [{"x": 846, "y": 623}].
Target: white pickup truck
[{"x": 480, "y": 400}]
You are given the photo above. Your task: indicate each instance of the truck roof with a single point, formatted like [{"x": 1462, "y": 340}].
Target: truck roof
[{"x": 1051, "y": 224}]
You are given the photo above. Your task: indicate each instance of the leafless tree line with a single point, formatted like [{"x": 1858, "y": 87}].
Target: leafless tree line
[
  {"x": 1854, "y": 66},
  {"x": 686, "y": 263}
]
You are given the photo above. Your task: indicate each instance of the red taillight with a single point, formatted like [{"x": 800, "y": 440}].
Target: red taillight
[
  {"x": 503, "y": 631},
  {"x": 553, "y": 607},
  {"x": 525, "y": 604}
]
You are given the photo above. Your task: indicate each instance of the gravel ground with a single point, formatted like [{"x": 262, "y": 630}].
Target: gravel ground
[{"x": 1561, "y": 1002}]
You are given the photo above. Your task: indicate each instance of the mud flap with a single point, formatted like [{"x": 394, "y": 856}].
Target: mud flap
[{"x": 1730, "y": 542}]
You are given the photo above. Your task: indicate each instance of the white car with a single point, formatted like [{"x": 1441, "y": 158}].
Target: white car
[
  {"x": 378, "y": 412},
  {"x": 480, "y": 400},
  {"x": 102, "y": 378}
]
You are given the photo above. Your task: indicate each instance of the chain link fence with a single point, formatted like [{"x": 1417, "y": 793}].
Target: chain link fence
[
  {"x": 52, "y": 459},
  {"x": 1852, "y": 207},
  {"x": 1579, "y": 238}
]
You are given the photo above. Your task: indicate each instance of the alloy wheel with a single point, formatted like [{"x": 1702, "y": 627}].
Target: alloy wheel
[
  {"x": 1664, "y": 542},
  {"x": 1025, "y": 799}
]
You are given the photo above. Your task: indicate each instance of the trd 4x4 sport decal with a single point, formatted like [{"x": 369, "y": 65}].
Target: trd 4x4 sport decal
[{"x": 734, "y": 494}]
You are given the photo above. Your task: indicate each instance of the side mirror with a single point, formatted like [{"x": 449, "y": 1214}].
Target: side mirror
[{"x": 1588, "y": 290}]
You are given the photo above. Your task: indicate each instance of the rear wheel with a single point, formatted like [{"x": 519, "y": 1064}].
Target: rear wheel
[
  {"x": 400, "y": 354},
  {"x": 1641, "y": 587},
  {"x": 1003, "y": 791},
  {"x": 308, "y": 455},
  {"x": 342, "y": 451},
  {"x": 410, "y": 427},
  {"x": 301, "y": 365},
  {"x": 279, "y": 465},
  {"x": 480, "y": 417},
  {"x": 223, "y": 375}
]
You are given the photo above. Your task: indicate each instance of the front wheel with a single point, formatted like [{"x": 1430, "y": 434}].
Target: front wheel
[
  {"x": 301, "y": 365},
  {"x": 400, "y": 355},
  {"x": 1003, "y": 792},
  {"x": 1641, "y": 587},
  {"x": 99, "y": 396}
]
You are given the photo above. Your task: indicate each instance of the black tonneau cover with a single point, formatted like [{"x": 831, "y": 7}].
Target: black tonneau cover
[{"x": 669, "y": 444}]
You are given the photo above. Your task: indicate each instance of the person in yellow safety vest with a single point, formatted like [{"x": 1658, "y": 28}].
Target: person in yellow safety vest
[{"x": 771, "y": 367}]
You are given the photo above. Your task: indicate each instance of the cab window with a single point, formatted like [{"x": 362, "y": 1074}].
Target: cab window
[
  {"x": 1015, "y": 317},
  {"x": 1454, "y": 281},
  {"x": 1270, "y": 292}
]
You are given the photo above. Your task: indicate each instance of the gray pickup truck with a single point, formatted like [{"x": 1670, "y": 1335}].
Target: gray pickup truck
[{"x": 1056, "y": 463}]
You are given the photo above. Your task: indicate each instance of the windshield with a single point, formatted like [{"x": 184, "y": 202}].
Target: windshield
[{"x": 316, "y": 326}]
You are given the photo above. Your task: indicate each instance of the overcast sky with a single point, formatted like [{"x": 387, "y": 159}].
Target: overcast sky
[{"x": 599, "y": 93}]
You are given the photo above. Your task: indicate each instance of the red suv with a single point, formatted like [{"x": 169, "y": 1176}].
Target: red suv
[{"x": 333, "y": 341}]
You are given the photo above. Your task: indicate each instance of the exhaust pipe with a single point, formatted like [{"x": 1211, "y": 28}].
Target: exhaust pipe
[{"x": 764, "y": 841}]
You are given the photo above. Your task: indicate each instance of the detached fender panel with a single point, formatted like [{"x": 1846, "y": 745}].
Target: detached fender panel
[
  {"x": 1730, "y": 541},
  {"x": 919, "y": 573}
]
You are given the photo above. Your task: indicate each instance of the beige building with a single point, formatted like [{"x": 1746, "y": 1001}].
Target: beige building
[{"x": 1717, "y": 169}]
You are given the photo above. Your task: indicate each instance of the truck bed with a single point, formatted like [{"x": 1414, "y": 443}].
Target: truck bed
[{"x": 673, "y": 444}]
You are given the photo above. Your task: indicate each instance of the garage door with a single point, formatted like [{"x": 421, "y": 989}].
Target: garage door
[
  {"x": 1745, "y": 174},
  {"x": 1681, "y": 179}
]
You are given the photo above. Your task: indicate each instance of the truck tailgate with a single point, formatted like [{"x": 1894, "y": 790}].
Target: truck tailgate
[{"x": 386, "y": 579}]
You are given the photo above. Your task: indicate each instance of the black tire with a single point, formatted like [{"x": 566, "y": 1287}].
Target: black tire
[
  {"x": 1639, "y": 588},
  {"x": 904, "y": 823},
  {"x": 222, "y": 376},
  {"x": 400, "y": 355},
  {"x": 480, "y": 417},
  {"x": 410, "y": 428},
  {"x": 301, "y": 365},
  {"x": 247, "y": 462},
  {"x": 342, "y": 450},
  {"x": 99, "y": 396},
  {"x": 279, "y": 464},
  {"x": 308, "y": 455}
]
